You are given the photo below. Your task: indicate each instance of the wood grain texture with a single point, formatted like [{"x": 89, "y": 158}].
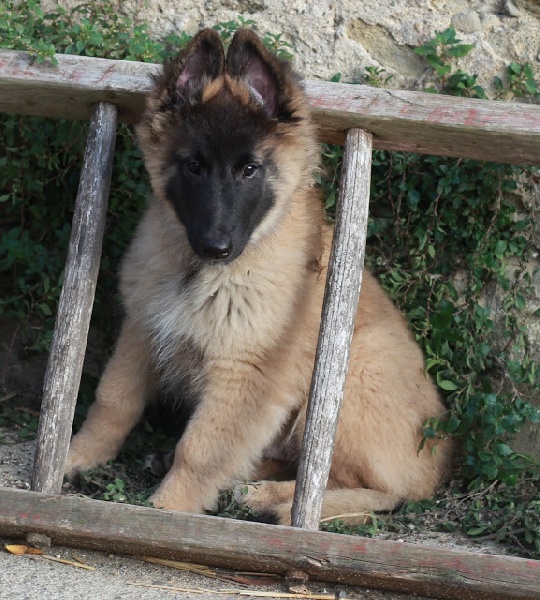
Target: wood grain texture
[
  {"x": 340, "y": 304},
  {"x": 68, "y": 347},
  {"x": 426, "y": 123},
  {"x": 399, "y": 120},
  {"x": 72, "y": 88},
  {"x": 384, "y": 564}
]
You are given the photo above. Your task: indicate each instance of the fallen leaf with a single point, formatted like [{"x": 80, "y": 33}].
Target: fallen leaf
[{"x": 19, "y": 549}]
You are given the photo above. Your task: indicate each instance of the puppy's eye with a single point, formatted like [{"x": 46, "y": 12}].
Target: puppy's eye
[
  {"x": 249, "y": 171},
  {"x": 194, "y": 167}
]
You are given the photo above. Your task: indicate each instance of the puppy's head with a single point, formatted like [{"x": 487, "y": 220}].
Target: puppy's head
[{"x": 227, "y": 141}]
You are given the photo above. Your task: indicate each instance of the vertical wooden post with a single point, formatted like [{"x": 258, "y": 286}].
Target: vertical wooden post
[
  {"x": 338, "y": 316},
  {"x": 64, "y": 368}
]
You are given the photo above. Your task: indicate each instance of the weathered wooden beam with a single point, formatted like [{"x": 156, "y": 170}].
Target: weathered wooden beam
[
  {"x": 426, "y": 123},
  {"x": 66, "y": 356},
  {"x": 399, "y": 120},
  {"x": 345, "y": 269},
  {"x": 384, "y": 564},
  {"x": 71, "y": 89}
]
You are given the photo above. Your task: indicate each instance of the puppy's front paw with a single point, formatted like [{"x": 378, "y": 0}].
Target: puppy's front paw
[
  {"x": 84, "y": 455},
  {"x": 173, "y": 494},
  {"x": 250, "y": 496},
  {"x": 263, "y": 498},
  {"x": 161, "y": 499}
]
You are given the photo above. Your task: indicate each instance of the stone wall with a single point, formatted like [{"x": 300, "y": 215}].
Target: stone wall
[{"x": 345, "y": 36}]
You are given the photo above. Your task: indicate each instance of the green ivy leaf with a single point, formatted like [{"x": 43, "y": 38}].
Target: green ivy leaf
[
  {"x": 460, "y": 50},
  {"x": 500, "y": 248},
  {"x": 447, "y": 385}
]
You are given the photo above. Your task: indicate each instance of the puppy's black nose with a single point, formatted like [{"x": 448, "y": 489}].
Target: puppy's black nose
[{"x": 217, "y": 248}]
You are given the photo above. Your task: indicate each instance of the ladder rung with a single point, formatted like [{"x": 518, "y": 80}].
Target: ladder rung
[
  {"x": 64, "y": 367},
  {"x": 340, "y": 303}
]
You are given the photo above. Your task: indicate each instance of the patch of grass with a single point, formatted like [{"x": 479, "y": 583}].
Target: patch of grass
[{"x": 116, "y": 482}]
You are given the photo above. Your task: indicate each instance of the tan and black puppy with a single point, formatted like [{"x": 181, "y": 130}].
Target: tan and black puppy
[{"x": 223, "y": 287}]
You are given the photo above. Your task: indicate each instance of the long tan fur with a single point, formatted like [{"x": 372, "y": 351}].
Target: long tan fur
[{"x": 240, "y": 338}]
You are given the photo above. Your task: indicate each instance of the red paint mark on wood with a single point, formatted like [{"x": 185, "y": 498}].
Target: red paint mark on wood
[
  {"x": 360, "y": 548},
  {"x": 340, "y": 103},
  {"x": 471, "y": 118},
  {"x": 441, "y": 115},
  {"x": 29, "y": 517},
  {"x": 106, "y": 74},
  {"x": 77, "y": 73},
  {"x": 276, "y": 543}
]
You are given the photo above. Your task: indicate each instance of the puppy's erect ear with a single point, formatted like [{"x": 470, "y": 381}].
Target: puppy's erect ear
[
  {"x": 204, "y": 58},
  {"x": 249, "y": 60}
]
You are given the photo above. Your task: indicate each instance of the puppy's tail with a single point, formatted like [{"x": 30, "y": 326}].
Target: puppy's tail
[
  {"x": 351, "y": 506},
  {"x": 356, "y": 506}
]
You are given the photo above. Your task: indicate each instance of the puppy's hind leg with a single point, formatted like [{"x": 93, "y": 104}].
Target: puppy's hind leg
[
  {"x": 120, "y": 399},
  {"x": 352, "y": 506}
]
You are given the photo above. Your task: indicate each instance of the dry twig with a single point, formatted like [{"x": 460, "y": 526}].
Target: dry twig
[
  {"x": 64, "y": 561},
  {"x": 257, "y": 593}
]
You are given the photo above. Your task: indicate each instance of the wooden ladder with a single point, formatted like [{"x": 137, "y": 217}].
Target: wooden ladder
[
  {"x": 396, "y": 120},
  {"x": 68, "y": 348}
]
